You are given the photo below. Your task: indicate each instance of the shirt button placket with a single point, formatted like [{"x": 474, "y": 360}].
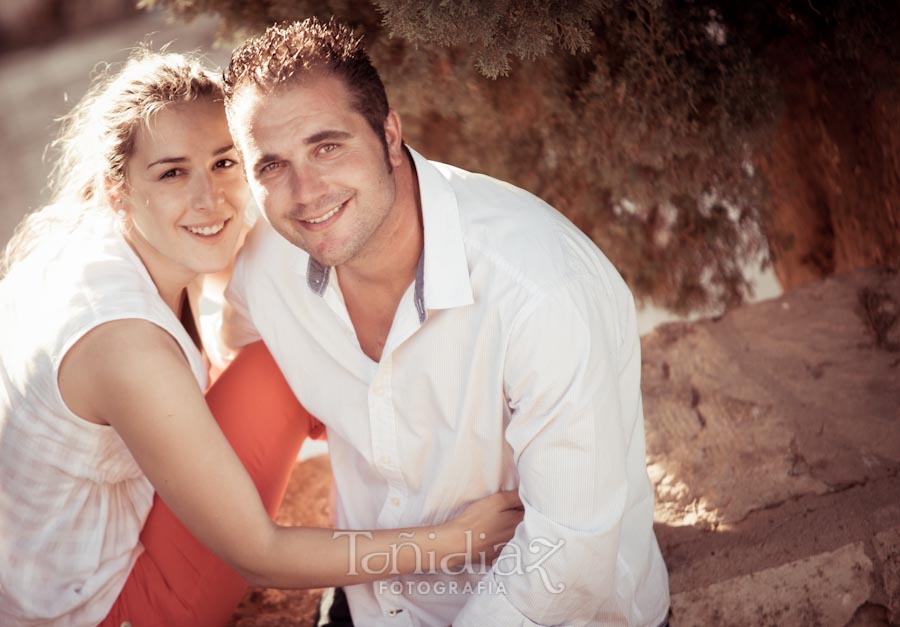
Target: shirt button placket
[
  {"x": 385, "y": 444},
  {"x": 383, "y": 452}
]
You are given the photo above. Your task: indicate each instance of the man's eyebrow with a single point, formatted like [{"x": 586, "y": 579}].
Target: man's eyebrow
[
  {"x": 327, "y": 134},
  {"x": 216, "y": 152}
]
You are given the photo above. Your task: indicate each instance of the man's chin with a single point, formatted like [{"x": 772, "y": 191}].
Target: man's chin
[
  {"x": 330, "y": 260},
  {"x": 328, "y": 257}
]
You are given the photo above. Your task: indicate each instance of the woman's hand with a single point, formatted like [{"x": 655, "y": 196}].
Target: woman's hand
[{"x": 478, "y": 534}]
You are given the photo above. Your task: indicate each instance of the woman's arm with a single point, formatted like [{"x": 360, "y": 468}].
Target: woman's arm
[{"x": 132, "y": 375}]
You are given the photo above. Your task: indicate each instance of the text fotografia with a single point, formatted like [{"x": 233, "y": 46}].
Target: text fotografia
[
  {"x": 438, "y": 588},
  {"x": 512, "y": 560}
]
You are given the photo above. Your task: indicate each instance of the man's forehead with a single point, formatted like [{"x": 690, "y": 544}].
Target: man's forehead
[
  {"x": 256, "y": 109},
  {"x": 251, "y": 94},
  {"x": 245, "y": 99},
  {"x": 245, "y": 114}
]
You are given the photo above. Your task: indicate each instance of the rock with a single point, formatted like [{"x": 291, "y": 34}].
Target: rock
[
  {"x": 770, "y": 402},
  {"x": 823, "y": 590},
  {"x": 887, "y": 550},
  {"x": 773, "y": 443}
]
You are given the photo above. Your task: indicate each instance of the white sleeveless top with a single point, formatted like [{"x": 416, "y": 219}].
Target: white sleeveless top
[{"x": 72, "y": 498}]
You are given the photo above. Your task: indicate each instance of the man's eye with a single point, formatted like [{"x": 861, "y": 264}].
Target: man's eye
[
  {"x": 325, "y": 148},
  {"x": 268, "y": 167}
]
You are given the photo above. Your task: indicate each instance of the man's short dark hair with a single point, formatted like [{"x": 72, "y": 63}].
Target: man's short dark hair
[{"x": 288, "y": 50}]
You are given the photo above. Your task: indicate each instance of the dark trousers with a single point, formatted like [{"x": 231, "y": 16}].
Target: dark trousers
[{"x": 333, "y": 609}]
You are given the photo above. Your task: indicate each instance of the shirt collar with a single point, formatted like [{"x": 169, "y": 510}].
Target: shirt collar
[
  {"x": 446, "y": 281},
  {"x": 317, "y": 276},
  {"x": 442, "y": 276}
]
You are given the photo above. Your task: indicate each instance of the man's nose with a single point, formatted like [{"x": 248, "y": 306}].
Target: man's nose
[{"x": 308, "y": 185}]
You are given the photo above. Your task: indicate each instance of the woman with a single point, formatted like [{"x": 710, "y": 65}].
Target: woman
[{"x": 101, "y": 403}]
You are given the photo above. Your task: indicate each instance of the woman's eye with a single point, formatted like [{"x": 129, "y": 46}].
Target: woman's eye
[
  {"x": 169, "y": 174},
  {"x": 225, "y": 163}
]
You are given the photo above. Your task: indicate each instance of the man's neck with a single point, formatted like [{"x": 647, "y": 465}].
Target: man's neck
[
  {"x": 390, "y": 262},
  {"x": 374, "y": 283}
]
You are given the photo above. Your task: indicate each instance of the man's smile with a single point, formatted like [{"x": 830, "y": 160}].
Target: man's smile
[{"x": 324, "y": 220}]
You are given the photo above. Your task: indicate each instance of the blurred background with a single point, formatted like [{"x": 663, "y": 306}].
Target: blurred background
[{"x": 49, "y": 50}]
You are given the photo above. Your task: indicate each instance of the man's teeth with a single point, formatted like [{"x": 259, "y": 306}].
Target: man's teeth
[
  {"x": 206, "y": 230},
  {"x": 326, "y": 216}
]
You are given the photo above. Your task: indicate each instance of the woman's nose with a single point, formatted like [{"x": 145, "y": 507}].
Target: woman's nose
[{"x": 205, "y": 194}]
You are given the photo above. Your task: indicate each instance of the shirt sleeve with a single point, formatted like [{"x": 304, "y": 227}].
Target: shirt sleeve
[{"x": 573, "y": 388}]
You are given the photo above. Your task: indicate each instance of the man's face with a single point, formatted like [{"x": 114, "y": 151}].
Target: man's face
[{"x": 316, "y": 168}]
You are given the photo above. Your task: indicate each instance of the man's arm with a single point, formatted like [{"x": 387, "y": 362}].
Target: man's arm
[{"x": 573, "y": 385}]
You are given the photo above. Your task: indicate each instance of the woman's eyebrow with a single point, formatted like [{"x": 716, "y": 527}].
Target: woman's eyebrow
[
  {"x": 217, "y": 151},
  {"x": 167, "y": 160}
]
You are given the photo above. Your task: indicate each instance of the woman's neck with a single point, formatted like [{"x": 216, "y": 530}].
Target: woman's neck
[{"x": 171, "y": 282}]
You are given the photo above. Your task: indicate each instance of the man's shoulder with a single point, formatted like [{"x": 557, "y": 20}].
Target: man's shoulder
[
  {"x": 477, "y": 190},
  {"x": 524, "y": 237},
  {"x": 526, "y": 252}
]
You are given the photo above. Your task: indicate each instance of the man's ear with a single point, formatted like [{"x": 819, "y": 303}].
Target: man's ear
[{"x": 393, "y": 133}]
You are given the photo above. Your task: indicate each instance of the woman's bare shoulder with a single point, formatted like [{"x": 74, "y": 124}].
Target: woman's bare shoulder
[{"x": 111, "y": 357}]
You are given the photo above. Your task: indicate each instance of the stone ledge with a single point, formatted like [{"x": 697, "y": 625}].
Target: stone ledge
[{"x": 823, "y": 590}]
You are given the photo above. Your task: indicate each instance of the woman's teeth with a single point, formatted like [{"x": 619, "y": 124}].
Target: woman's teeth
[
  {"x": 322, "y": 218},
  {"x": 206, "y": 230}
]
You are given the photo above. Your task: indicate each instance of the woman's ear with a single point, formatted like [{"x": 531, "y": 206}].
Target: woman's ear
[{"x": 115, "y": 197}]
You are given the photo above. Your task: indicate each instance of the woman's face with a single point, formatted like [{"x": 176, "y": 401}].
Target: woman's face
[{"x": 185, "y": 192}]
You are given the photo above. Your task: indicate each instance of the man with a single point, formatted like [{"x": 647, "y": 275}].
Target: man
[{"x": 457, "y": 336}]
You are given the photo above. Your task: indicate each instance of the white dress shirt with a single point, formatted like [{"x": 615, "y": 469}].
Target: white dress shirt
[{"x": 513, "y": 360}]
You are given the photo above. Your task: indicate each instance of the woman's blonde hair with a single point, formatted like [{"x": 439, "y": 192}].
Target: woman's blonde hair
[{"x": 97, "y": 138}]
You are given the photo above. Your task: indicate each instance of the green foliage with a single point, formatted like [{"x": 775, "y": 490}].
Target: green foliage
[
  {"x": 642, "y": 120},
  {"x": 526, "y": 29}
]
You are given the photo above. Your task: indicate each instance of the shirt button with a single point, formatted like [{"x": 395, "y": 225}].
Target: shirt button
[
  {"x": 393, "y": 613},
  {"x": 395, "y": 501},
  {"x": 385, "y": 461}
]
